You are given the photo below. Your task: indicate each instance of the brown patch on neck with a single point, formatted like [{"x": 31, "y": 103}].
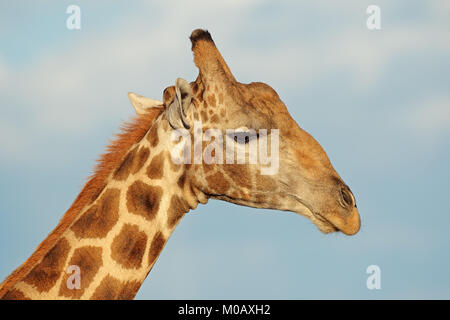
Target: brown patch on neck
[
  {"x": 204, "y": 116},
  {"x": 128, "y": 247},
  {"x": 132, "y": 163},
  {"x": 100, "y": 218},
  {"x": 123, "y": 170},
  {"x": 131, "y": 133},
  {"x": 156, "y": 247},
  {"x": 140, "y": 160},
  {"x": 156, "y": 168},
  {"x": 215, "y": 119},
  {"x": 113, "y": 289},
  {"x": 89, "y": 260},
  {"x": 212, "y": 100},
  {"x": 14, "y": 294},
  {"x": 153, "y": 136},
  {"x": 45, "y": 275},
  {"x": 143, "y": 199},
  {"x": 178, "y": 207}
]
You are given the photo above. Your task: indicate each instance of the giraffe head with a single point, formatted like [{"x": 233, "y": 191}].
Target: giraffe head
[{"x": 295, "y": 176}]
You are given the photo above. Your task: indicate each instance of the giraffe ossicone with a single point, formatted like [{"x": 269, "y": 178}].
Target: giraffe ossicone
[{"x": 120, "y": 222}]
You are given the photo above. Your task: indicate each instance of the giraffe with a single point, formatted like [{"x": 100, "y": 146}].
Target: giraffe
[{"x": 121, "y": 220}]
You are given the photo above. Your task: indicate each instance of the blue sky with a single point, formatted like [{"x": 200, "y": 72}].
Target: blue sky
[{"x": 377, "y": 101}]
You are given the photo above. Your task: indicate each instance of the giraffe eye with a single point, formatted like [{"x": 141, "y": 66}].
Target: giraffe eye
[
  {"x": 244, "y": 135},
  {"x": 240, "y": 138}
]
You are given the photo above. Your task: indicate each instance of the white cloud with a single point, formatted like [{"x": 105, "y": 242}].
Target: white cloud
[
  {"x": 73, "y": 89},
  {"x": 73, "y": 85},
  {"x": 430, "y": 118},
  {"x": 3, "y": 73},
  {"x": 12, "y": 142},
  {"x": 440, "y": 8}
]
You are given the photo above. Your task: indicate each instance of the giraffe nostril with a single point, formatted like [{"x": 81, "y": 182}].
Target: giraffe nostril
[{"x": 347, "y": 198}]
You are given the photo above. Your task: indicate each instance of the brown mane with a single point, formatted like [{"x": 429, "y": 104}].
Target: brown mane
[{"x": 131, "y": 133}]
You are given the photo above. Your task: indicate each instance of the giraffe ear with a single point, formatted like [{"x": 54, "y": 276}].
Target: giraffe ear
[
  {"x": 177, "y": 112},
  {"x": 141, "y": 103}
]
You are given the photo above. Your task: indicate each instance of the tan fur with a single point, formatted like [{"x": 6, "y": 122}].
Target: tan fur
[{"x": 217, "y": 182}]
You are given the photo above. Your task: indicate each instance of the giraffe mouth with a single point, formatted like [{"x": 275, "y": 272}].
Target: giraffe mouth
[{"x": 323, "y": 224}]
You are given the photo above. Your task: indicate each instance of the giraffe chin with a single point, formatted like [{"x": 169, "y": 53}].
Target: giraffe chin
[
  {"x": 323, "y": 224},
  {"x": 334, "y": 223},
  {"x": 320, "y": 222}
]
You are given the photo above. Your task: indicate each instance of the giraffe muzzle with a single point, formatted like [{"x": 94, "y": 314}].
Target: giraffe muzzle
[{"x": 348, "y": 224}]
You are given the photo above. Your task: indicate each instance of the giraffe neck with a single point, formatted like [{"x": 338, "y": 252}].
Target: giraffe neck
[{"x": 113, "y": 242}]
